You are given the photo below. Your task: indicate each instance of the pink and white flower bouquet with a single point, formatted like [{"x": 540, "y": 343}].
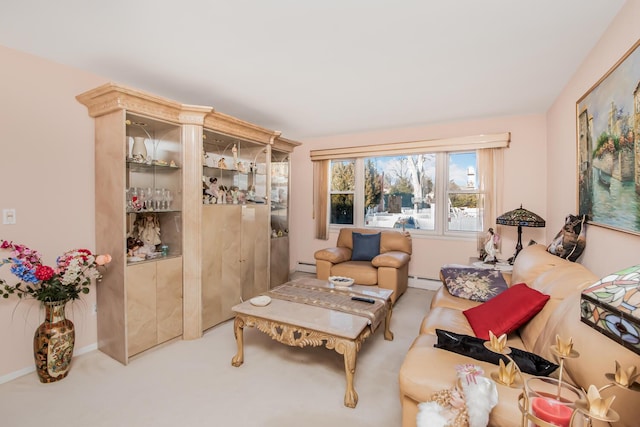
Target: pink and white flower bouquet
[{"x": 71, "y": 276}]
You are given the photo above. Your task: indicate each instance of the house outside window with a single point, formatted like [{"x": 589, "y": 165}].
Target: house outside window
[
  {"x": 430, "y": 193},
  {"x": 463, "y": 195}
]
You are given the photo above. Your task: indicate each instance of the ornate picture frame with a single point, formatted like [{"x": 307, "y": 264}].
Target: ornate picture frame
[{"x": 608, "y": 139}]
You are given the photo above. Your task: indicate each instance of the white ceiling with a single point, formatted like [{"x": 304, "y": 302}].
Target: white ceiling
[{"x": 324, "y": 67}]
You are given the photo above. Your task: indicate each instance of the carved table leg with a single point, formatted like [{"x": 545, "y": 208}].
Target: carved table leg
[
  {"x": 350, "y": 352},
  {"x": 388, "y": 335},
  {"x": 238, "y": 331}
]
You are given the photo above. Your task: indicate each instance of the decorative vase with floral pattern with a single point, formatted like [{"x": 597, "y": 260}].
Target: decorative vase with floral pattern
[{"x": 53, "y": 343}]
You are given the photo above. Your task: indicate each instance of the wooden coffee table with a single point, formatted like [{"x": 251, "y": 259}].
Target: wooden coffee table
[{"x": 300, "y": 325}]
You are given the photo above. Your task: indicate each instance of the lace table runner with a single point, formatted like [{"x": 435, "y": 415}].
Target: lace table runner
[{"x": 333, "y": 299}]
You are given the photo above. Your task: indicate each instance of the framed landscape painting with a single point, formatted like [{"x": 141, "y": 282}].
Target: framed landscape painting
[{"x": 608, "y": 124}]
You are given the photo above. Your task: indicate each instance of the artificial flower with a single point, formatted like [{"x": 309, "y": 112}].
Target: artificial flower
[{"x": 72, "y": 275}]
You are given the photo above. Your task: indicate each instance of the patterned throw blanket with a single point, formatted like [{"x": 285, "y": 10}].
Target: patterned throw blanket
[{"x": 333, "y": 299}]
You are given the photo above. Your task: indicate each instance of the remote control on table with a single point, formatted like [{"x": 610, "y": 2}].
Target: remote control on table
[{"x": 369, "y": 300}]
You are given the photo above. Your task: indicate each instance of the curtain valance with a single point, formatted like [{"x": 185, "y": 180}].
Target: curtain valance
[{"x": 476, "y": 142}]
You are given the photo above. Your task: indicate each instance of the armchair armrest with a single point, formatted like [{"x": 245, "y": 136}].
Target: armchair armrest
[
  {"x": 393, "y": 259},
  {"x": 333, "y": 255}
]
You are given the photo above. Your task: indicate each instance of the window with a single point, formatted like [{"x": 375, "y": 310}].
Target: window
[
  {"x": 463, "y": 196},
  {"x": 407, "y": 191},
  {"x": 449, "y": 186},
  {"x": 342, "y": 191},
  {"x": 399, "y": 191}
]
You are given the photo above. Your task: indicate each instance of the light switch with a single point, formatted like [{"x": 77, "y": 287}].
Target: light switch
[{"x": 8, "y": 216}]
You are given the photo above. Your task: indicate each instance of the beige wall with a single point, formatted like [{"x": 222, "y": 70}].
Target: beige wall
[
  {"x": 525, "y": 182},
  {"x": 46, "y": 174},
  {"x": 607, "y": 250}
]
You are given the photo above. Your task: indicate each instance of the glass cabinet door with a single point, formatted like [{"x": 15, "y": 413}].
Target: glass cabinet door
[
  {"x": 153, "y": 189},
  {"x": 233, "y": 170},
  {"x": 279, "y": 194},
  {"x": 279, "y": 177}
]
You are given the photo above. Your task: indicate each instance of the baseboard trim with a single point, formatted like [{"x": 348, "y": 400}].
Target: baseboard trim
[
  {"x": 424, "y": 283},
  {"x": 25, "y": 371},
  {"x": 306, "y": 267},
  {"x": 16, "y": 374}
]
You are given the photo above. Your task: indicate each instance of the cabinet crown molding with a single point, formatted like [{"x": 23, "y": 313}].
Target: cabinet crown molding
[{"x": 113, "y": 96}]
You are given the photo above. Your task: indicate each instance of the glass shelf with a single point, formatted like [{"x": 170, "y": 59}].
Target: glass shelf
[
  {"x": 248, "y": 202},
  {"x": 226, "y": 170},
  {"x": 148, "y": 167},
  {"x": 215, "y": 168},
  {"x": 148, "y": 260},
  {"x": 129, "y": 211}
]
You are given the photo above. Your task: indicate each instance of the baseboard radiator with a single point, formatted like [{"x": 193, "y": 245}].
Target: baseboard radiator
[{"x": 414, "y": 281}]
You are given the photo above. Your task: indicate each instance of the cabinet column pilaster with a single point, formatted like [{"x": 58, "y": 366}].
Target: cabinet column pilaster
[{"x": 192, "y": 218}]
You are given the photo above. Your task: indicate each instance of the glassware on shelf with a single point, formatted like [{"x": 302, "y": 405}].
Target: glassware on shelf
[
  {"x": 168, "y": 198},
  {"x": 128, "y": 199},
  {"x": 148, "y": 198},
  {"x": 142, "y": 197},
  {"x": 158, "y": 199},
  {"x": 134, "y": 200}
]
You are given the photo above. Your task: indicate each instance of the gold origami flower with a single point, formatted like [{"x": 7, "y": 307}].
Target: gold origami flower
[
  {"x": 497, "y": 344},
  {"x": 507, "y": 373},
  {"x": 627, "y": 377},
  {"x": 564, "y": 347},
  {"x": 598, "y": 406}
]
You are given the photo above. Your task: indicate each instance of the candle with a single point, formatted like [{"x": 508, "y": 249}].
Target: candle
[{"x": 551, "y": 411}]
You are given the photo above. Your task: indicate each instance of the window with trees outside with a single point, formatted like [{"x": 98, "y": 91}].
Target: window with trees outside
[
  {"x": 342, "y": 191},
  {"x": 434, "y": 193}
]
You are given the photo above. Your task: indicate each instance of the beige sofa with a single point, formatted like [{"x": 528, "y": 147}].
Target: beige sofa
[
  {"x": 388, "y": 270},
  {"x": 427, "y": 369}
]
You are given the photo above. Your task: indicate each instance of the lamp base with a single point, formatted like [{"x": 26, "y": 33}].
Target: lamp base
[{"x": 518, "y": 246}]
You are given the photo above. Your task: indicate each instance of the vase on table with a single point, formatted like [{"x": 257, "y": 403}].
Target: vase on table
[{"x": 53, "y": 343}]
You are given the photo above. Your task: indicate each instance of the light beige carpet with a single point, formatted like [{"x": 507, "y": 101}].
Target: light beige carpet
[{"x": 192, "y": 383}]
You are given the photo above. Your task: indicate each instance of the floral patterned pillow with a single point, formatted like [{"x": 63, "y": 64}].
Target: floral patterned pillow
[{"x": 476, "y": 284}]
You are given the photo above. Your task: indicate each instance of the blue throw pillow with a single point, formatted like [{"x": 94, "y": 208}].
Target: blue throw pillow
[{"x": 365, "y": 246}]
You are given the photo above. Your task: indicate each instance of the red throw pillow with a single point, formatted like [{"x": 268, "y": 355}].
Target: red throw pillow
[{"x": 506, "y": 312}]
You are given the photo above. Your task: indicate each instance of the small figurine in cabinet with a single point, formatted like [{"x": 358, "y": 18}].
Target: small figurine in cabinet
[
  {"x": 212, "y": 191},
  {"x": 146, "y": 228},
  {"x": 133, "y": 245},
  {"x": 234, "y": 150},
  {"x": 234, "y": 195}
]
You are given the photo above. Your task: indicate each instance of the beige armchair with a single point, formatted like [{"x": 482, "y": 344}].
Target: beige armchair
[{"x": 388, "y": 270}]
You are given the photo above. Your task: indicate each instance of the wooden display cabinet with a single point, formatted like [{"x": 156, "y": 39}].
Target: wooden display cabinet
[
  {"x": 214, "y": 255},
  {"x": 140, "y": 299}
]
